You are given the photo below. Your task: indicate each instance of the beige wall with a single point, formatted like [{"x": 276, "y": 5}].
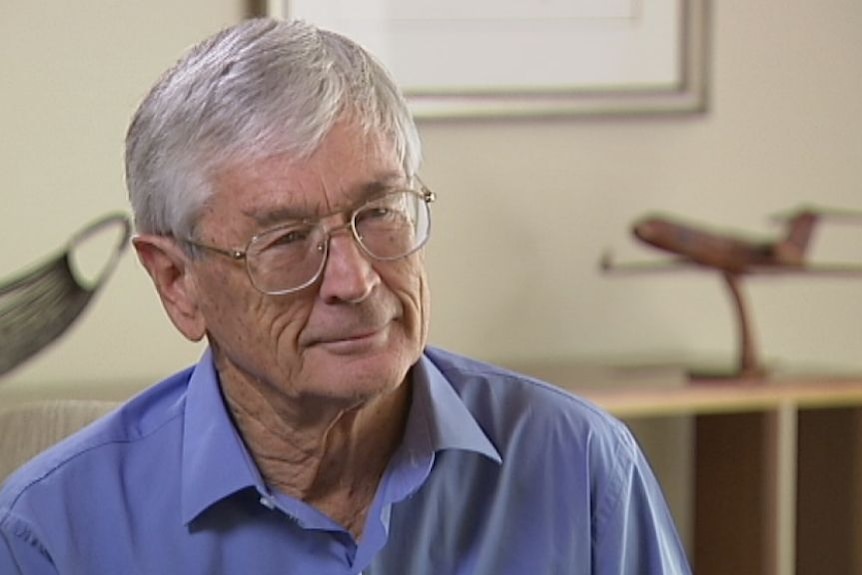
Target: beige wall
[
  {"x": 73, "y": 73},
  {"x": 526, "y": 207}
]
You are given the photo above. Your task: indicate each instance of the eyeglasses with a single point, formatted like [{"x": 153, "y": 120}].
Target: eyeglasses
[{"x": 291, "y": 257}]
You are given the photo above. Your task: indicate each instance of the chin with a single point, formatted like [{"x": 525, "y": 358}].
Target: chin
[{"x": 361, "y": 377}]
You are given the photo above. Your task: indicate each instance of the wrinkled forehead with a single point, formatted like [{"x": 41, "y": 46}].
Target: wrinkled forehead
[{"x": 349, "y": 167}]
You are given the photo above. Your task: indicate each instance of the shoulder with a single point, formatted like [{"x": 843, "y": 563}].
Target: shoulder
[
  {"x": 510, "y": 405},
  {"x": 103, "y": 442},
  {"x": 548, "y": 436},
  {"x": 470, "y": 377}
]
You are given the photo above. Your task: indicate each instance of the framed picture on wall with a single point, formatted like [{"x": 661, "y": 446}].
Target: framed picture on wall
[{"x": 491, "y": 58}]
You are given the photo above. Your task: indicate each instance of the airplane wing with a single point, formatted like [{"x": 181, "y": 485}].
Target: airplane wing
[
  {"x": 848, "y": 269},
  {"x": 844, "y": 215},
  {"x": 840, "y": 269},
  {"x": 609, "y": 265}
]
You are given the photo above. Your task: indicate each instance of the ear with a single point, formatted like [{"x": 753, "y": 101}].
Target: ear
[{"x": 170, "y": 271}]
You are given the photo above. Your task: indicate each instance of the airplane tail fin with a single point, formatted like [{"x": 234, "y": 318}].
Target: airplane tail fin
[{"x": 791, "y": 250}]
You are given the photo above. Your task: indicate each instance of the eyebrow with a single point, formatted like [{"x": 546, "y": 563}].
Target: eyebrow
[{"x": 266, "y": 217}]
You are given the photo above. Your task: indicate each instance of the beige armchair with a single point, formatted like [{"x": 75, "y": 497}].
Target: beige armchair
[{"x": 30, "y": 427}]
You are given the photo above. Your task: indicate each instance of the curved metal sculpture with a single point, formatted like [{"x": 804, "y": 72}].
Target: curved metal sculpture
[{"x": 38, "y": 306}]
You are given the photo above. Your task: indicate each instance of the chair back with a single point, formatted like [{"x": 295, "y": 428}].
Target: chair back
[{"x": 29, "y": 428}]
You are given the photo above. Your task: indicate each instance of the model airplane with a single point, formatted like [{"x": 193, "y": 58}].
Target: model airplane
[{"x": 735, "y": 256}]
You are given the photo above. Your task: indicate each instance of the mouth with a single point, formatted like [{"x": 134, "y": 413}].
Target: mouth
[{"x": 352, "y": 342}]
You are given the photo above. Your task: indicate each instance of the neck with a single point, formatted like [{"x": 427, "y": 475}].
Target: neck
[{"x": 333, "y": 459}]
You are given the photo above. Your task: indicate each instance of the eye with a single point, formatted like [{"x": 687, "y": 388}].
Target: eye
[
  {"x": 374, "y": 213},
  {"x": 291, "y": 237},
  {"x": 283, "y": 238},
  {"x": 392, "y": 207}
]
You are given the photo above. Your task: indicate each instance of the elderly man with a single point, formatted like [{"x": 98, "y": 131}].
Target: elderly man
[{"x": 273, "y": 175}]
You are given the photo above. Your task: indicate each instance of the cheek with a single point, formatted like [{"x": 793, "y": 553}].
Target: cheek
[
  {"x": 409, "y": 282},
  {"x": 285, "y": 320},
  {"x": 259, "y": 337},
  {"x": 425, "y": 309},
  {"x": 215, "y": 288},
  {"x": 237, "y": 314}
]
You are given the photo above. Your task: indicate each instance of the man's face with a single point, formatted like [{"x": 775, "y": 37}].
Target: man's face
[{"x": 351, "y": 335}]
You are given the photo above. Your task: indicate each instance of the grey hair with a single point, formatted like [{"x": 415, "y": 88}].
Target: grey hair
[{"x": 256, "y": 89}]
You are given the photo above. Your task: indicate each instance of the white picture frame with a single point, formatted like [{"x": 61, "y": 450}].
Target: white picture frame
[{"x": 529, "y": 58}]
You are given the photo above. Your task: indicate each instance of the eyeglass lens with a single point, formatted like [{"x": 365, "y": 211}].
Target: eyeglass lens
[{"x": 291, "y": 257}]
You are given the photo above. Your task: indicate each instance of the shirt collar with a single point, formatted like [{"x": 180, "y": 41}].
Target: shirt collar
[
  {"x": 216, "y": 463},
  {"x": 439, "y": 420}
]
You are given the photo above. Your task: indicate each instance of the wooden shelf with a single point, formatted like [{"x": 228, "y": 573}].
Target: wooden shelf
[
  {"x": 772, "y": 477},
  {"x": 776, "y": 467},
  {"x": 724, "y": 396}
]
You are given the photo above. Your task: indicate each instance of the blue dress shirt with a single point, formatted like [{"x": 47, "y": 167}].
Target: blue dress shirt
[{"x": 497, "y": 474}]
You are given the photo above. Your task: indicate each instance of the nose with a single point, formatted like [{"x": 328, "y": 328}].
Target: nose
[{"x": 348, "y": 275}]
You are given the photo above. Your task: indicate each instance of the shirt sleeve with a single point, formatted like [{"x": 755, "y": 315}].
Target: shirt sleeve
[
  {"x": 21, "y": 553},
  {"x": 634, "y": 533}
]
